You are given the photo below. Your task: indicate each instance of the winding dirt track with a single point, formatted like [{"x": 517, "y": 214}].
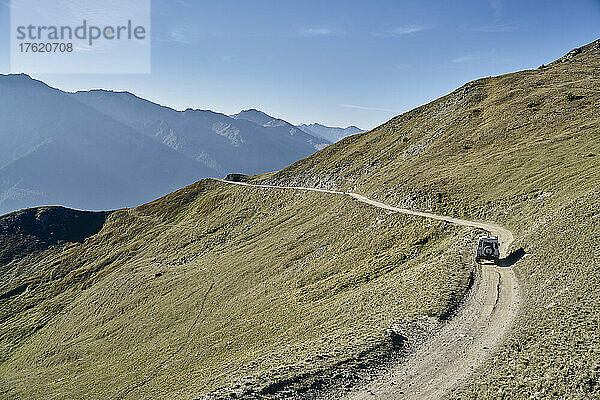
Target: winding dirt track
[{"x": 465, "y": 341}]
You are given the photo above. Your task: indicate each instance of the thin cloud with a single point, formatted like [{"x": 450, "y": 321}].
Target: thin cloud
[
  {"x": 84, "y": 47},
  {"x": 495, "y": 28},
  {"x": 315, "y": 32},
  {"x": 178, "y": 36},
  {"x": 497, "y": 7},
  {"x": 226, "y": 58},
  {"x": 464, "y": 59},
  {"x": 497, "y": 25},
  {"x": 407, "y": 30},
  {"x": 474, "y": 57},
  {"x": 357, "y": 107},
  {"x": 403, "y": 30},
  {"x": 184, "y": 3}
]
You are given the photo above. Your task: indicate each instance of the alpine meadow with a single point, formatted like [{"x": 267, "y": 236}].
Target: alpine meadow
[{"x": 258, "y": 287}]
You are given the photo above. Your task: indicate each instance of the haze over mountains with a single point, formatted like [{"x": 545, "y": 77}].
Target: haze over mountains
[
  {"x": 321, "y": 132},
  {"x": 280, "y": 127},
  {"x": 332, "y": 134},
  {"x": 102, "y": 149}
]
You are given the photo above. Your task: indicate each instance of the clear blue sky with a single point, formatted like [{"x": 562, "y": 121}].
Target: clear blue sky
[{"x": 336, "y": 62}]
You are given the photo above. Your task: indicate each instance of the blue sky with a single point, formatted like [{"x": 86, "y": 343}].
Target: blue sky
[{"x": 336, "y": 62}]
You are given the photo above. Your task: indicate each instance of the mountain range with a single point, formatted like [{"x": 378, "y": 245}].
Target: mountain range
[
  {"x": 323, "y": 133},
  {"x": 332, "y": 134},
  {"x": 102, "y": 149}
]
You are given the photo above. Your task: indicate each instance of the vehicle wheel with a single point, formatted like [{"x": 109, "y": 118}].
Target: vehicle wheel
[{"x": 488, "y": 251}]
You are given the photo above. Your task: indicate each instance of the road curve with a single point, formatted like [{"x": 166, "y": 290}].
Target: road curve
[{"x": 464, "y": 342}]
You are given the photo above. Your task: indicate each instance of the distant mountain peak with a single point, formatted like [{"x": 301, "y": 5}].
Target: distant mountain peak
[
  {"x": 254, "y": 115},
  {"x": 331, "y": 133},
  {"x": 110, "y": 92},
  {"x": 316, "y": 124},
  {"x": 253, "y": 110},
  {"x": 21, "y": 75},
  {"x": 281, "y": 126},
  {"x": 21, "y": 79}
]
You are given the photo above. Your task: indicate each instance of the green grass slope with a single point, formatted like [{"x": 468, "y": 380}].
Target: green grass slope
[
  {"x": 521, "y": 149},
  {"x": 219, "y": 289}
]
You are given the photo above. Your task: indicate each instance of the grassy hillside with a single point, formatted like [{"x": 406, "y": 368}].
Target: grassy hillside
[
  {"x": 522, "y": 149},
  {"x": 218, "y": 287}
]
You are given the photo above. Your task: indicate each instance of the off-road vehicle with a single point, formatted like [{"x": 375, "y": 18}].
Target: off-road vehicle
[
  {"x": 488, "y": 248},
  {"x": 237, "y": 178}
]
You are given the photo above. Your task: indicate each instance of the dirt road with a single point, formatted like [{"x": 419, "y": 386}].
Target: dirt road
[{"x": 465, "y": 341}]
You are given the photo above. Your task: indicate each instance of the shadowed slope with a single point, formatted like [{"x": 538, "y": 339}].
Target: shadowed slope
[{"x": 24, "y": 232}]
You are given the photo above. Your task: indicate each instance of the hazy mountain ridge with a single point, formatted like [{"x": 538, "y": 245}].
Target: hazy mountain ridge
[
  {"x": 282, "y": 127},
  {"x": 104, "y": 149},
  {"x": 221, "y": 142},
  {"x": 333, "y": 134},
  {"x": 73, "y": 155}
]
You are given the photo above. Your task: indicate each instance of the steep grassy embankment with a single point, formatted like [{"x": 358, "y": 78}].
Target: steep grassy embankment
[
  {"x": 217, "y": 287},
  {"x": 522, "y": 149}
]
